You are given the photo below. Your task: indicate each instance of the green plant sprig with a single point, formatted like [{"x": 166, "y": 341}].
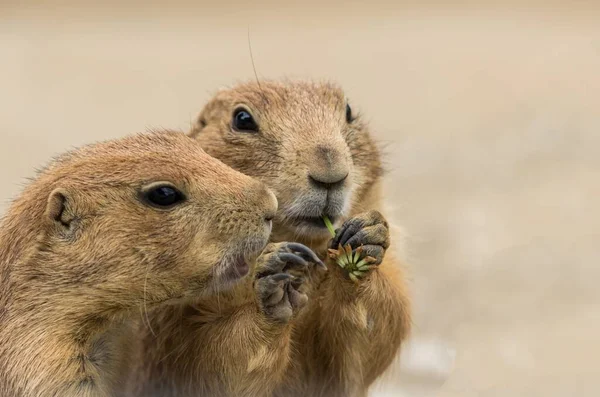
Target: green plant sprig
[
  {"x": 355, "y": 263},
  {"x": 329, "y": 226}
]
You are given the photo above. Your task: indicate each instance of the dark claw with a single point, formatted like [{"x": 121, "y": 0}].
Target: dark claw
[
  {"x": 348, "y": 229},
  {"x": 306, "y": 253},
  {"x": 375, "y": 251},
  {"x": 369, "y": 236},
  {"x": 292, "y": 260},
  {"x": 281, "y": 277}
]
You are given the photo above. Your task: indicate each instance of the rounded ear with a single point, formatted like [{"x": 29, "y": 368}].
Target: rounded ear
[
  {"x": 197, "y": 126},
  {"x": 59, "y": 209}
]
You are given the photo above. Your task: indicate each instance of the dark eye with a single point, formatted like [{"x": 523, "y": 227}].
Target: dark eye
[
  {"x": 243, "y": 121},
  {"x": 163, "y": 196},
  {"x": 349, "y": 117}
]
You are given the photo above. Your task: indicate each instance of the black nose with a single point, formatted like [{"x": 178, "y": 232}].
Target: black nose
[{"x": 327, "y": 182}]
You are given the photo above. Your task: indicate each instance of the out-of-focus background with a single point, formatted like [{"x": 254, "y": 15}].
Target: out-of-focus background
[{"x": 489, "y": 115}]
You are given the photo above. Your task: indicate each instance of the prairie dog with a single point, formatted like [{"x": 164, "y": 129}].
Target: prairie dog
[{"x": 105, "y": 232}]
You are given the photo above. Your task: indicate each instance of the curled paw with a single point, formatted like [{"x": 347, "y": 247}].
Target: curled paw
[
  {"x": 281, "y": 273},
  {"x": 360, "y": 244}
]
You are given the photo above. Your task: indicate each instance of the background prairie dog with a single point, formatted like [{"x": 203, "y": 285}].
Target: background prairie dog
[
  {"x": 305, "y": 141},
  {"x": 107, "y": 231}
]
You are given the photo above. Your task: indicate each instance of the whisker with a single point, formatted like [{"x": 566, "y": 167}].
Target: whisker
[
  {"x": 254, "y": 68},
  {"x": 144, "y": 301}
]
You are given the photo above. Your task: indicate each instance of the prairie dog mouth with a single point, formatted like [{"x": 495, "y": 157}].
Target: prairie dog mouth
[
  {"x": 237, "y": 264},
  {"x": 312, "y": 221},
  {"x": 237, "y": 267},
  {"x": 305, "y": 212},
  {"x": 229, "y": 271}
]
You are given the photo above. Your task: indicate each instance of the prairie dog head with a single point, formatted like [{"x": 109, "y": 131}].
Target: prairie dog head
[
  {"x": 304, "y": 140},
  {"x": 150, "y": 217}
]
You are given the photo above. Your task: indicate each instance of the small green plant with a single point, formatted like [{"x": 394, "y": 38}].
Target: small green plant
[{"x": 355, "y": 263}]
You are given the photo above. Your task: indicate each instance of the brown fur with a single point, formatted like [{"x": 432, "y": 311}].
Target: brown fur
[
  {"x": 220, "y": 346},
  {"x": 80, "y": 253},
  {"x": 348, "y": 334}
]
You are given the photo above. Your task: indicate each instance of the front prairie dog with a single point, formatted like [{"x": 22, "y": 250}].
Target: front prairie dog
[{"x": 104, "y": 233}]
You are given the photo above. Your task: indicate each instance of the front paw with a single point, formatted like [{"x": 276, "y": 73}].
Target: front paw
[
  {"x": 281, "y": 273},
  {"x": 360, "y": 244}
]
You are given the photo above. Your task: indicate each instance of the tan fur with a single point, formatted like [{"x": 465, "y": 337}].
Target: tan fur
[
  {"x": 81, "y": 253},
  {"x": 220, "y": 346},
  {"x": 348, "y": 334}
]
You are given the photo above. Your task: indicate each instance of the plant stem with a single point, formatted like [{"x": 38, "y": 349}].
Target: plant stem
[{"x": 329, "y": 226}]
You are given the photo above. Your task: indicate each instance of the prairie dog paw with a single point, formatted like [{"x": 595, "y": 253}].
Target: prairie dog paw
[
  {"x": 360, "y": 244},
  {"x": 281, "y": 271}
]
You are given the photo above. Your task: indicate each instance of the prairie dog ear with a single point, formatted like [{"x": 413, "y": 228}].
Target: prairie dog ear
[
  {"x": 60, "y": 209},
  {"x": 198, "y": 125}
]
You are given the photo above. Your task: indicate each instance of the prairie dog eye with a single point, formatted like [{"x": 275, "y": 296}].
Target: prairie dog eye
[
  {"x": 162, "y": 195},
  {"x": 349, "y": 117},
  {"x": 243, "y": 121}
]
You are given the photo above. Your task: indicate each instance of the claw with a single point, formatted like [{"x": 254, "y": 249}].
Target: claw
[
  {"x": 298, "y": 249},
  {"x": 293, "y": 259},
  {"x": 349, "y": 229}
]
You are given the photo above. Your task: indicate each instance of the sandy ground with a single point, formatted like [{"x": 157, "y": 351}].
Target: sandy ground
[{"x": 489, "y": 117}]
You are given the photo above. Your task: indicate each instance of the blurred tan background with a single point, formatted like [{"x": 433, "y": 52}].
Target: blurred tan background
[{"x": 490, "y": 120}]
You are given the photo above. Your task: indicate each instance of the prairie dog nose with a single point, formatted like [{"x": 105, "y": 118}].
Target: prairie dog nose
[
  {"x": 263, "y": 200},
  {"x": 329, "y": 168},
  {"x": 327, "y": 181}
]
